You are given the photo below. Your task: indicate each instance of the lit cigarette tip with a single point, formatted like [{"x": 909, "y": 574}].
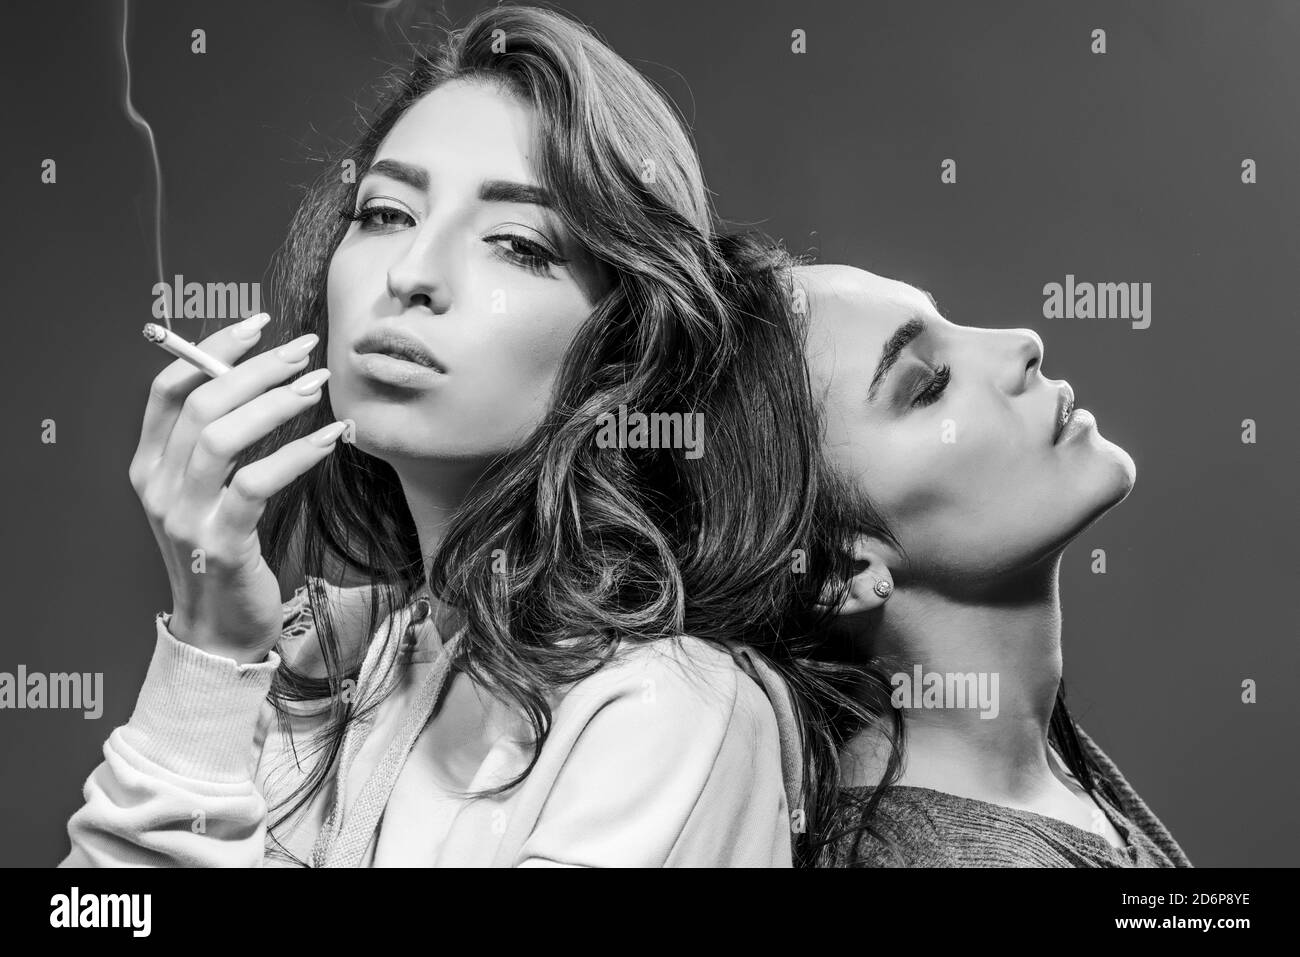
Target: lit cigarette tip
[{"x": 154, "y": 332}]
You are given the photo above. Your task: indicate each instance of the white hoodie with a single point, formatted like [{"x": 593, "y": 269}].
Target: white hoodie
[{"x": 676, "y": 753}]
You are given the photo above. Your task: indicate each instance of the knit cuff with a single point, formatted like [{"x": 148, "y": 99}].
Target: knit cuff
[{"x": 196, "y": 714}]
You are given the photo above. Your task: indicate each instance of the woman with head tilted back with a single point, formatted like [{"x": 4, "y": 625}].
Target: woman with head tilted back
[
  {"x": 514, "y": 644},
  {"x": 964, "y": 474}
]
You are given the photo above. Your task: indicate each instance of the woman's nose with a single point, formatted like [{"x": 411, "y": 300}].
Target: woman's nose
[
  {"x": 419, "y": 278},
  {"x": 1026, "y": 357}
]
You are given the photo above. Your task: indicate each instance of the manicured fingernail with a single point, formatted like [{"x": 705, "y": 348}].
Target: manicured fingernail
[
  {"x": 311, "y": 382},
  {"x": 250, "y": 327},
  {"x": 328, "y": 434},
  {"x": 298, "y": 349}
]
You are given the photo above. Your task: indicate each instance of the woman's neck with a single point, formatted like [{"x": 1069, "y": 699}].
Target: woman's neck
[
  {"x": 993, "y": 745},
  {"x": 434, "y": 495}
]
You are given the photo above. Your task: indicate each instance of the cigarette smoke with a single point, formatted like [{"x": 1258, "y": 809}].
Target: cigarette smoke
[
  {"x": 140, "y": 123},
  {"x": 387, "y": 13}
]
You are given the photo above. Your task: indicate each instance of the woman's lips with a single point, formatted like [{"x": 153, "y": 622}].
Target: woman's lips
[
  {"x": 397, "y": 344},
  {"x": 396, "y": 357},
  {"x": 395, "y": 371},
  {"x": 1070, "y": 420},
  {"x": 1064, "y": 409},
  {"x": 1080, "y": 420}
]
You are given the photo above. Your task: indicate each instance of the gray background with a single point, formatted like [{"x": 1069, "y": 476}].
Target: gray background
[{"x": 1122, "y": 167}]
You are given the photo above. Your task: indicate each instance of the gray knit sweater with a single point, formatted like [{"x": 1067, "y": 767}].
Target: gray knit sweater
[{"x": 929, "y": 828}]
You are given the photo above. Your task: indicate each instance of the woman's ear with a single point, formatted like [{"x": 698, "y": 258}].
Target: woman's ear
[{"x": 871, "y": 583}]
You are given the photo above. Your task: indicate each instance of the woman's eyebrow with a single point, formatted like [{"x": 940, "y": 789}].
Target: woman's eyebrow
[
  {"x": 414, "y": 176},
  {"x": 490, "y": 191},
  {"x": 893, "y": 348},
  {"x": 504, "y": 191}
]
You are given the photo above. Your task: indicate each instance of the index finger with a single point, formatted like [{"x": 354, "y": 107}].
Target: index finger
[{"x": 178, "y": 380}]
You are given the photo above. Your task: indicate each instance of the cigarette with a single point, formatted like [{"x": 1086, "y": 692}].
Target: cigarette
[{"x": 184, "y": 350}]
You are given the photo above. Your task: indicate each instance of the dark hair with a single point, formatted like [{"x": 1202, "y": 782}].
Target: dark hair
[{"x": 603, "y": 545}]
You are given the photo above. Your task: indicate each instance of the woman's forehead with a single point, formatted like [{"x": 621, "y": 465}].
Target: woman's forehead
[
  {"x": 844, "y": 298},
  {"x": 485, "y": 121}
]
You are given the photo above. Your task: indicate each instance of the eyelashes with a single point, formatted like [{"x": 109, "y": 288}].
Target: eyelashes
[
  {"x": 535, "y": 258},
  {"x": 363, "y": 216},
  {"x": 518, "y": 250},
  {"x": 934, "y": 388}
]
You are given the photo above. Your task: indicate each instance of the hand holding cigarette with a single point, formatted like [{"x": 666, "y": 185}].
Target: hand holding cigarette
[{"x": 196, "y": 424}]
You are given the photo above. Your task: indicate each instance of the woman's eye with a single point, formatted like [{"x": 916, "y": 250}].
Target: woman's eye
[
  {"x": 934, "y": 388},
  {"x": 532, "y": 256},
  {"x": 373, "y": 218}
]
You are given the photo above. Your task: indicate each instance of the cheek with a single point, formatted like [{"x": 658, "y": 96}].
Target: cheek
[
  {"x": 530, "y": 344},
  {"x": 345, "y": 292},
  {"x": 512, "y": 356},
  {"x": 945, "y": 482},
  {"x": 929, "y": 460},
  {"x": 345, "y": 289},
  {"x": 907, "y": 478}
]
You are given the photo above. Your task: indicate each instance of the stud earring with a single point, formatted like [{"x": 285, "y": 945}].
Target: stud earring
[
  {"x": 883, "y": 588},
  {"x": 420, "y": 610}
]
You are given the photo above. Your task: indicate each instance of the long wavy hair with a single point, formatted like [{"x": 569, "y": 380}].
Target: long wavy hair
[{"x": 602, "y": 545}]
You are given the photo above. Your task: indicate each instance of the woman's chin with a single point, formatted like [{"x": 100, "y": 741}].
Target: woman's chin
[
  {"x": 378, "y": 439},
  {"x": 1107, "y": 481},
  {"x": 1125, "y": 470}
]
